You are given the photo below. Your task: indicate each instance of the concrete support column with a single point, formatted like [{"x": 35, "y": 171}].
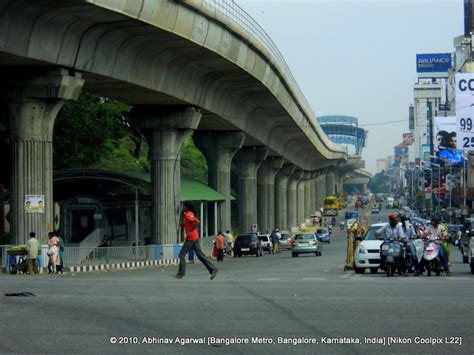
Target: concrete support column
[
  {"x": 293, "y": 198},
  {"x": 330, "y": 183},
  {"x": 266, "y": 193},
  {"x": 314, "y": 182},
  {"x": 302, "y": 198},
  {"x": 281, "y": 196},
  {"x": 248, "y": 161},
  {"x": 219, "y": 149},
  {"x": 320, "y": 191},
  {"x": 166, "y": 129},
  {"x": 34, "y": 100},
  {"x": 307, "y": 197}
]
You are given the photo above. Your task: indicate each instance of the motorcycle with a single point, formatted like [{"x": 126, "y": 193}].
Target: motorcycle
[
  {"x": 471, "y": 254},
  {"x": 392, "y": 257},
  {"x": 431, "y": 259}
]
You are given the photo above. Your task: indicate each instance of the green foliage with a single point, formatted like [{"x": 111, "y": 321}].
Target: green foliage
[
  {"x": 380, "y": 183},
  {"x": 118, "y": 156},
  {"x": 193, "y": 162},
  {"x": 84, "y": 129}
]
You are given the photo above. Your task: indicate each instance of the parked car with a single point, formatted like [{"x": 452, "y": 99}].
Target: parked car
[
  {"x": 375, "y": 210},
  {"x": 323, "y": 235},
  {"x": 247, "y": 244},
  {"x": 367, "y": 254},
  {"x": 285, "y": 240},
  {"x": 306, "y": 243},
  {"x": 266, "y": 242}
]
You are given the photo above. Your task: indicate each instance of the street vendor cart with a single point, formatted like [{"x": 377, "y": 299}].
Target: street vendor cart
[{"x": 17, "y": 259}]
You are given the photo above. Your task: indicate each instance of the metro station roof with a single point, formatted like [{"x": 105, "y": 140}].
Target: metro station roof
[{"x": 108, "y": 184}]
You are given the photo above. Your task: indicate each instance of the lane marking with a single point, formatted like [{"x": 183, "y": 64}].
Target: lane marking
[
  {"x": 315, "y": 278},
  {"x": 346, "y": 276},
  {"x": 270, "y": 279}
]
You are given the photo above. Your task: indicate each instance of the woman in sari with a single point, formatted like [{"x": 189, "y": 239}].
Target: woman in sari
[{"x": 53, "y": 252}]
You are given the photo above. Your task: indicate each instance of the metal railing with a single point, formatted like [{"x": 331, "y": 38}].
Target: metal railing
[
  {"x": 238, "y": 16},
  {"x": 107, "y": 255}
]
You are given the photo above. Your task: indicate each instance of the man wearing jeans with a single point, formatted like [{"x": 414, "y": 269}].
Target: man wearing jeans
[{"x": 192, "y": 243}]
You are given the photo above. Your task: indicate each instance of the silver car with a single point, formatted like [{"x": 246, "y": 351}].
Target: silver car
[
  {"x": 306, "y": 243},
  {"x": 285, "y": 240}
]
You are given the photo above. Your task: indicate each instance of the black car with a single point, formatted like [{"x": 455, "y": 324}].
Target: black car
[{"x": 247, "y": 244}]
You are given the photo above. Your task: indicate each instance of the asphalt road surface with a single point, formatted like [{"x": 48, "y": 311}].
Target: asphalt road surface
[{"x": 275, "y": 304}]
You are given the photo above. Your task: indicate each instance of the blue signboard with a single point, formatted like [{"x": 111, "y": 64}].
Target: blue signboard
[{"x": 433, "y": 63}]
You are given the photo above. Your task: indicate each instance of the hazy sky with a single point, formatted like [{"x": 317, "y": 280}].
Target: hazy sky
[{"x": 358, "y": 58}]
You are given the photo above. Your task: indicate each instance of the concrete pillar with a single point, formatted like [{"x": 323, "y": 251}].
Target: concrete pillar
[
  {"x": 314, "y": 183},
  {"x": 266, "y": 192},
  {"x": 307, "y": 197},
  {"x": 281, "y": 196},
  {"x": 320, "y": 191},
  {"x": 248, "y": 161},
  {"x": 166, "y": 129},
  {"x": 293, "y": 198},
  {"x": 219, "y": 149},
  {"x": 34, "y": 100},
  {"x": 330, "y": 183},
  {"x": 302, "y": 198}
]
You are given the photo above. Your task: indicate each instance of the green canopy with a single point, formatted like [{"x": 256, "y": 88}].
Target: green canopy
[{"x": 191, "y": 190}]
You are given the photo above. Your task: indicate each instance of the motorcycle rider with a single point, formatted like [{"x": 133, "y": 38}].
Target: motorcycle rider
[
  {"x": 393, "y": 229},
  {"x": 342, "y": 225},
  {"x": 439, "y": 233},
  {"x": 410, "y": 234}
]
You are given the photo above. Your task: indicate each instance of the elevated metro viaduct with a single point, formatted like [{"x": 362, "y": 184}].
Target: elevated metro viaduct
[{"x": 186, "y": 67}]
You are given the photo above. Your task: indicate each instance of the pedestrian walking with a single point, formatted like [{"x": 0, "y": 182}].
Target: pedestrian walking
[
  {"x": 274, "y": 239},
  {"x": 278, "y": 234},
  {"x": 33, "y": 247},
  {"x": 104, "y": 250},
  {"x": 192, "y": 243},
  {"x": 220, "y": 245}
]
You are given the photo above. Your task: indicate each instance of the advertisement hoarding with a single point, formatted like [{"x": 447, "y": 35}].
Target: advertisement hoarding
[
  {"x": 464, "y": 110},
  {"x": 433, "y": 65},
  {"x": 445, "y": 142}
]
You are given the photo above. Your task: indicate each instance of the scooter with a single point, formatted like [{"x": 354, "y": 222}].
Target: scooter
[
  {"x": 431, "y": 259},
  {"x": 391, "y": 257},
  {"x": 471, "y": 254}
]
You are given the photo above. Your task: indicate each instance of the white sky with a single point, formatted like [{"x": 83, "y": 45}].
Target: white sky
[{"x": 357, "y": 58}]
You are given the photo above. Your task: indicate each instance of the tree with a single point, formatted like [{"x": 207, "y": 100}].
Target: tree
[
  {"x": 380, "y": 183},
  {"x": 85, "y": 128}
]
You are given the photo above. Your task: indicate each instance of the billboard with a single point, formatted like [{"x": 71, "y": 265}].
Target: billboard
[
  {"x": 465, "y": 110},
  {"x": 408, "y": 138},
  {"x": 445, "y": 142},
  {"x": 433, "y": 64}
]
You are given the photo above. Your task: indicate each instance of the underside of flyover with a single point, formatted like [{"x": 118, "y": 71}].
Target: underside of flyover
[
  {"x": 132, "y": 61},
  {"x": 184, "y": 68}
]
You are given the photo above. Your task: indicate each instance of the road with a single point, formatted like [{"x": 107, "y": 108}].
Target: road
[{"x": 270, "y": 299}]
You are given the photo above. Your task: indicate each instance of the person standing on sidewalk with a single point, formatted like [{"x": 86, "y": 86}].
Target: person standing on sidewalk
[
  {"x": 220, "y": 245},
  {"x": 33, "y": 247},
  {"x": 192, "y": 243}
]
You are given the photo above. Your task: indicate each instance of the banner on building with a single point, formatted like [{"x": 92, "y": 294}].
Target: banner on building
[
  {"x": 408, "y": 138},
  {"x": 445, "y": 142},
  {"x": 465, "y": 110},
  {"x": 431, "y": 65},
  {"x": 34, "y": 203}
]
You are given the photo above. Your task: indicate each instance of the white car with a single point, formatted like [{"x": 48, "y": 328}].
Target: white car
[
  {"x": 367, "y": 253},
  {"x": 266, "y": 242}
]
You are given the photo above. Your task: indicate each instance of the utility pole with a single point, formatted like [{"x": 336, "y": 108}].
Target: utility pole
[{"x": 430, "y": 142}]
